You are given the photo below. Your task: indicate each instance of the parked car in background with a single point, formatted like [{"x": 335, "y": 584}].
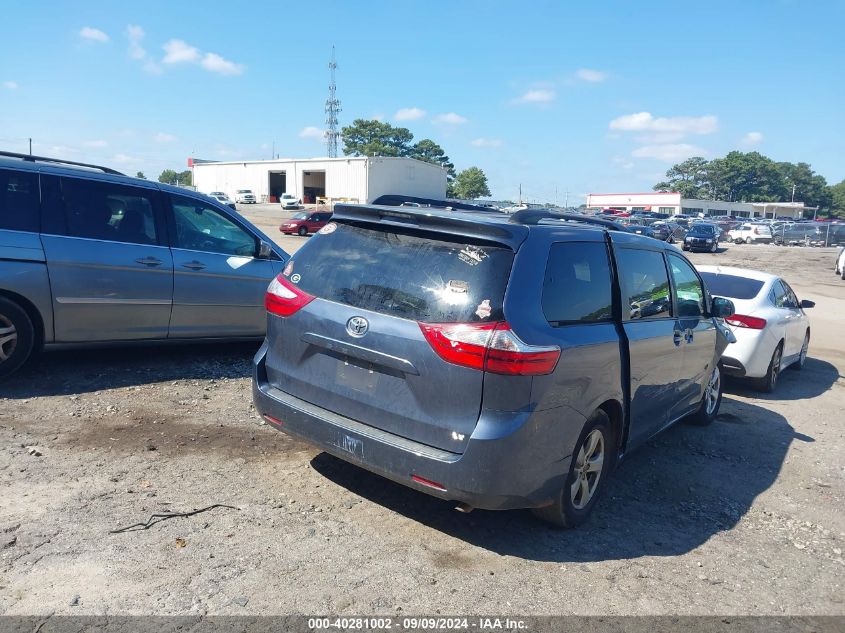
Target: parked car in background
[
  {"x": 751, "y": 233},
  {"x": 771, "y": 328},
  {"x": 305, "y": 222},
  {"x": 222, "y": 198},
  {"x": 839, "y": 266},
  {"x": 90, "y": 256},
  {"x": 640, "y": 229},
  {"x": 289, "y": 201},
  {"x": 435, "y": 347},
  {"x": 668, "y": 231},
  {"x": 245, "y": 196},
  {"x": 702, "y": 237}
]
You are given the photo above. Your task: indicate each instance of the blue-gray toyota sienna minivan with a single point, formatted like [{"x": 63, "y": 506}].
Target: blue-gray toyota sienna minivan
[{"x": 495, "y": 361}]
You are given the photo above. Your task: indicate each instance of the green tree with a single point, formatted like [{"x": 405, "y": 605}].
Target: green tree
[
  {"x": 430, "y": 152},
  {"x": 140, "y": 175},
  {"x": 746, "y": 177},
  {"x": 810, "y": 188},
  {"x": 688, "y": 178},
  {"x": 170, "y": 177},
  {"x": 375, "y": 138},
  {"x": 469, "y": 184},
  {"x": 837, "y": 198}
]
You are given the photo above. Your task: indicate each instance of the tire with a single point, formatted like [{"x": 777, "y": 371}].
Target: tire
[
  {"x": 17, "y": 337},
  {"x": 767, "y": 383},
  {"x": 738, "y": 240},
  {"x": 842, "y": 273},
  {"x": 715, "y": 248},
  {"x": 302, "y": 232},
  {"x": 570, "y": 510},
  {"x": 685, "y": 247},
  {"x": 798, "y": 365},
  {"x": 710, "y": 401}
]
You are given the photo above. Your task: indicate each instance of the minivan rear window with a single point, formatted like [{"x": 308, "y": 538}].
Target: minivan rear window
[
  {"x": 424, "y": 277},
  {"x": 19, "y": 200},
  {"x": 731, "y": 286}
]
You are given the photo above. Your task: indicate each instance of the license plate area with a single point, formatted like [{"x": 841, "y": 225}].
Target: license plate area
[
  {"x": 351, "y": 445},
  {"x": 357, "y": 376}
]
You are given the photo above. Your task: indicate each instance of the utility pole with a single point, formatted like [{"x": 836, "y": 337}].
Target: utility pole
[
  {"x": 566, "y": 203},
  {"x": 332, "y": 110},
  {"x": 793, "y": 192},
  {"x": 30, "y": 147}
]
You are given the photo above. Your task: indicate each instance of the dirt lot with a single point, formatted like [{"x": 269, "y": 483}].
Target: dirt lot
[{"x": 743, "y": 517}]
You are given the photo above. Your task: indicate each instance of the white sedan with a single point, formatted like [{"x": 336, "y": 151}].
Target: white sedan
[
  {"x": 771, "y": 328},
  {"x": 289, "y": 201},
  {"x": 839, "y": 266}
]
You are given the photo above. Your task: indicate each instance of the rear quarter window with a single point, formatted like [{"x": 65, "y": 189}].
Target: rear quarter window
[
  {"x": 424, "y": 277},
  {"x": 19, "y": 201},
  {"x": 576, "y": 286}
]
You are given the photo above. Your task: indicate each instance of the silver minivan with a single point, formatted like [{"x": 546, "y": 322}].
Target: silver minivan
[{"x": 90, "y": 256}]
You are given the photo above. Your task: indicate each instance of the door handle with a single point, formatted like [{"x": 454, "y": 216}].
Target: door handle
[
  {"x": 676, "y": 338},
  {"x": 149, "y": 261},
  {"x": 194, "y": 265}
]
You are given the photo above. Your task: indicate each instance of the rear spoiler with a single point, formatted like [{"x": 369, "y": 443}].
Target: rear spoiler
[{"x": 436, "y": 220}]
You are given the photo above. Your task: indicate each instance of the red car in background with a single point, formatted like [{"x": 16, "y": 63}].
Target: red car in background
[{"x": 306, "y": 222}]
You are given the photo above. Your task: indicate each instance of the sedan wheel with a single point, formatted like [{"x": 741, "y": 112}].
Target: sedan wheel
[
  {"x": 302, "y": 231},
  {"x": 711, "y": 401},
  {"x": 767, "y": 383},
  {"x": 738, "y": 240},
  {"x": 802, "y": 357}
]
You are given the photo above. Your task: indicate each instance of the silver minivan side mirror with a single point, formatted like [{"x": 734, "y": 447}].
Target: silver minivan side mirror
[{"x": 265, "y": 251}]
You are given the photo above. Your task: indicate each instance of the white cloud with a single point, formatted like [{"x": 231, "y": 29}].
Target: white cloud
[
  {"x": 593, "y": 76},
  {"x": 179, "y": 52},
  {"x": 136, "y": 36},
  {"x": 10, "y": 85},
  {"x": 311, "y": 132},
  {"x": 486, "y": 142},
  {"x": 95, "y": 35},
  {"x": 409, "y": 114},
  {"x": 540, "y": 95},
  {"x": 97, "y": 143},
  {"x": 752, "y": 139},
  {"x": 679, "y": 125},
  {"x": 214, "y": 63},
  {"x": 450, "y": 117},
  {"x": 669, "y": 152},
  {"x": 163, "y": 137}
]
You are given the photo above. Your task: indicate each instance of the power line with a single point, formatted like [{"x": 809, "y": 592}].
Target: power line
[{"x": 332, "y": 110}]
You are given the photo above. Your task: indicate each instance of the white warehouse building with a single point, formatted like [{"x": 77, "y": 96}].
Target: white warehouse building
[
  {"x": 351, "y": 178},
  {"x": 672, "y": 203}
]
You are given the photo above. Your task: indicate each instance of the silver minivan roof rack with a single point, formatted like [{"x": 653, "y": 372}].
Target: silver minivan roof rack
[{"x": 60, "y": 161}]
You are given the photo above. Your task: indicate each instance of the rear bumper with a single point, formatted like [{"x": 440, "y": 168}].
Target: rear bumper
[{"x": 506, "y": 463}]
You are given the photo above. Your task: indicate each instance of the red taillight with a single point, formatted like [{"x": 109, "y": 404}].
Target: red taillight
[
  {"x": 273, "y": 420},
  {"x": 742, "y": 320},
  {"x": 428, "y": 483},
  {"x": 284, "y": 299},
  {"x": 492, "y": 347}
]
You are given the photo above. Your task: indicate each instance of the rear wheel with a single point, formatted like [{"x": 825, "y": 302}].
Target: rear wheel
[
  {"x": 302, "y": 231},
  {"x": 738, "y": 240},
  {"x": 17, "y": 336},
  {"x": 588, "y": 471},
  {"x": 767, "y": 383},
  {"x": 710, "y": 401},
  {"x": 798, "y": 365}
]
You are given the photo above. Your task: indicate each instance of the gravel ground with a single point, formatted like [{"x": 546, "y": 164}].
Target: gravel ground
[{"x": 742, "y": 517}]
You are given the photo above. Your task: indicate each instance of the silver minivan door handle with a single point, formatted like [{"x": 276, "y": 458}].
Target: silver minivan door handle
[
  {"x": 149, "y": 261},
  {"x": 194, "y": 265}
]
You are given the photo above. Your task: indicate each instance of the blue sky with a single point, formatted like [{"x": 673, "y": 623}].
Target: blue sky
[{"x": 556, "y": 96}]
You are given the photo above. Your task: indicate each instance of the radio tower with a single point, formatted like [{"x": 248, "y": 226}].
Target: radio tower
[{"x": 332, "y": 109}]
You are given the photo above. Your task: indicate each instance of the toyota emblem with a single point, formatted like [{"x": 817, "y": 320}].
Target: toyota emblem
[{"x": 357, "y": 326}]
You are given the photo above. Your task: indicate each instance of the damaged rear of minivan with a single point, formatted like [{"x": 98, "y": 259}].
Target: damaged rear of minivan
[{"x": 387, "y": 346}]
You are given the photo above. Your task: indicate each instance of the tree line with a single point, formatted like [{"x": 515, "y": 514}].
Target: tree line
[{"x": 752, "y": 177}]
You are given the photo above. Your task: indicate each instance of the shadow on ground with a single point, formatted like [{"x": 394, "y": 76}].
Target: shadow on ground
[
  {"x": 70, "y": 372},
  {"x": 816, "y": 377},
  {"x": 665, "y": 499}
]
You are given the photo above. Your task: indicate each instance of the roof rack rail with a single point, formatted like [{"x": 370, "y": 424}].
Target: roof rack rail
[
  {"x": 60, "y": 161},
  {"x": 397, "y": 200},
  {"x": 534, "y": 216}
]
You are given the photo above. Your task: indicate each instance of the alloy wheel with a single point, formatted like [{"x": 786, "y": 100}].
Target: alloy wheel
[
  {"x": 711, "y": 391},
  {"x": 588, "y": 469},
  {"x": 804, "y": 349},
  {"x": 775, "y": 370},
  {"x": 8, "y": 338}
]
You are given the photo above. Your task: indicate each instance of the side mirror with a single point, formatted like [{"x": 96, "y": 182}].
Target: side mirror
[
  {"x": 722, "y": 308},
  {"x": 265, "y": 251},
  {"x": 806, "y": 303}
]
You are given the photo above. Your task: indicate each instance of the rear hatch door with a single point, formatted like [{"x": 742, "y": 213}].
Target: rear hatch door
[{"x": 357, "y": 349}]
